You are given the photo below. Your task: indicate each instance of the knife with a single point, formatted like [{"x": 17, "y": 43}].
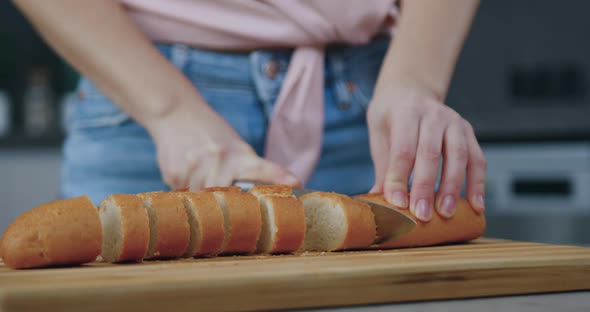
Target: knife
[{"x": 391, "y": 222}]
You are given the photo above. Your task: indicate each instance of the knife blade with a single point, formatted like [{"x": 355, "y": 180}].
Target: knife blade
[{"x": 391, "y": 222}]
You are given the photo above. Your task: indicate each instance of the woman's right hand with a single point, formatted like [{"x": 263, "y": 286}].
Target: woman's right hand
[{"x": 196, "y": 148}]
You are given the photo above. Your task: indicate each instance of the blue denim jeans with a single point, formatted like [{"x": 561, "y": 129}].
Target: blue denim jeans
[{"x": 107, "y": 152}]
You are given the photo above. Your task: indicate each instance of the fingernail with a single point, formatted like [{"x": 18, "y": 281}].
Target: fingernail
[
  {"x": 399, "y": 199},
  {"x": 479, "y": 201},
  {"x": 423, "y": 212},
  {"x": 447, "y": 207}
]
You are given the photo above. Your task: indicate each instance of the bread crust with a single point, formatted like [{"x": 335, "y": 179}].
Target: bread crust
[
  {"x": 223, "y": 189},
  {"x": 172, "y": 226},
  {"x": 245, "y": 220},
  {"x": 289, "y": 220},
  {"x": 361, "y": 230},
  {"x": 210, "y": 219},
  {"x": 466, "y": 224},
  {"x": 57, "y": 233},
  {"x": 277, "y": 189},
  {"x": 134, "y": 227}
]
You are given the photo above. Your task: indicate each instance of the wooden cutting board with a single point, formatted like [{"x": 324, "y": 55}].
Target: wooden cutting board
[{"x": 484, "y": 267}]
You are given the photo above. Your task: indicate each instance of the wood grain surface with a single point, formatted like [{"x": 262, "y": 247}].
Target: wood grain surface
[{"x": 484, "y": 267}]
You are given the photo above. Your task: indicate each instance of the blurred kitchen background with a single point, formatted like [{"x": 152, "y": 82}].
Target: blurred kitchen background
[{"x": 522, "y": 80}]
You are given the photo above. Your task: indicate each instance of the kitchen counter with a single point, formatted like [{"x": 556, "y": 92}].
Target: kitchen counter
[
  {"x": 550, "y": 302},
  {"x": 479, "y": 268}
]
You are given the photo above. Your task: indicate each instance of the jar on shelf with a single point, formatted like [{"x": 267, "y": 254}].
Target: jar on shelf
[{"x": 39, "y": 113}]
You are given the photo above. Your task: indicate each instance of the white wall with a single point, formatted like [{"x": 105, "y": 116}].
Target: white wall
[{"x": 28, "y": 177}]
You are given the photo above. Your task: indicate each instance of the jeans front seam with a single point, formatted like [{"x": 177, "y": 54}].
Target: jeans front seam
[{"x": 179, "y": 55}]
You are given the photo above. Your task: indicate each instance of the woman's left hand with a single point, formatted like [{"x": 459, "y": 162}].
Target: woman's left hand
[{"x": 412, "y": 130}]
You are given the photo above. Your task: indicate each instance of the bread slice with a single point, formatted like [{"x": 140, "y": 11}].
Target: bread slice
[
  {"x": 283, "y": 219},
  {"x": 169, "y": 227},
  {"x": 337, "y": 222},
  {"x": 275, "y": 189},
  {"x": 206, "y": 223},
  {"x": 466, "y": 224},
  {"x": 57, "y": 233},
  {"x": 242, "y": 221},
  {"x": 125, "y": 227}
]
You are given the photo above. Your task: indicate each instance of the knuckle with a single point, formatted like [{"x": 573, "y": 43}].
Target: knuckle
[
  {"x": 478, "y": 186},
  {"x": 480, "y": 161},
  {"x": 429, "y": 152},
  {"x": 441, "y": 110},
  {"x": 411, "y": 108},
  {"x": 404, "y": 153},
  {"x": 434, "y": 117},
  {"x": 453, "y": 188},
  {"x": 480, "y": 183},
  {"x": 408, "y": 109},
  {"x": 419, "y": 186},
  {"x": 460, "y": 152},
  {"x": 392, "y": 179}
]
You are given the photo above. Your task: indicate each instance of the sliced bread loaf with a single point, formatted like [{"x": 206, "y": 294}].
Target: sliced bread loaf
[
  {"x": 125, "y": 227},
  {"x": 283, "y": 219},
  {"x": 206, "y": 223},
  {"x": 242, "y": 221},
  {"x": 169, "y": 227},
  {"x": 57, "y": 233},
  {"x": 337, "y": 222}
]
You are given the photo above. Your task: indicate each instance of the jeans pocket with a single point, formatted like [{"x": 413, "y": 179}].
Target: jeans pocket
[
  {"x": 363, "y": 69},
  {"x": 92, "y": 109}
]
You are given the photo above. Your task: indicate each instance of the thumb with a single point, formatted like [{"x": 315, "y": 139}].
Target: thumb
[{"x": 262, "y": 170}]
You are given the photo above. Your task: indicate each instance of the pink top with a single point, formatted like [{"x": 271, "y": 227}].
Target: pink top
[{"x": 294, "y": 137}]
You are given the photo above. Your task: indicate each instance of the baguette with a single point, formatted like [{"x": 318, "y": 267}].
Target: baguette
[
  {"x": 337, "y": 222},
  {"x": 283, "y": 219},
  {"x": 57, "y": 233},
  {"x": 125, "y": 225},
  {"x": 206, "y": 223},
  {"x": 242, "y": 221},
  {"x": 169, "y": 227},
  {"x": 466, "y": 224}
]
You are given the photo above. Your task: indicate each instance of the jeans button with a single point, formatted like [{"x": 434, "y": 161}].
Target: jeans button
[
  {"x": 271, "y": 68},
  {"x": 350, "y": 86},
  {"x": 343, "y": 105}
]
